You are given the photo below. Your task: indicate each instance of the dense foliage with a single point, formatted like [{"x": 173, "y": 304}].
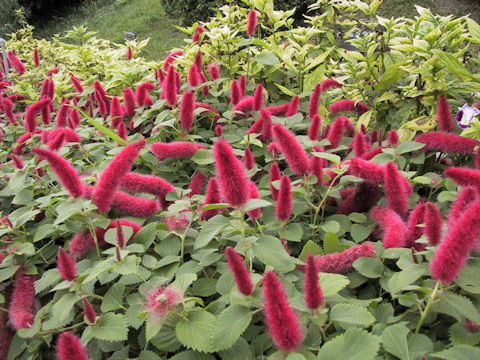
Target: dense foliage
[{"x": 221, "y": 204}]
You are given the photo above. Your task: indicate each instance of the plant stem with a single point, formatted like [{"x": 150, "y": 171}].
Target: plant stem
[
  {"x": 54, "y": 331},
  {"x": 427, "y": 308}
]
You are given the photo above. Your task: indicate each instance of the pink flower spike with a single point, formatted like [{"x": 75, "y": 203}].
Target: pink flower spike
[
  {"x": 32, "y": 112},
  {"x": 367, "y": 170},
  {"x": 57, "y": 143},
  {"x": 62, "y": 114},
  {"x": 335, "y": 134},
  {"x": 65, "y": 172},
  {"x": 444, "y": 115},
  {"x": 314, "y": 101},
  {"x": 416, "y": 217},
  {"x": 36, "y": 57},
  {"x": 282, "y": 322},
  {"x": 134, "y": 206},
  {"x": 477, "y": 159},
  {"x": 66, "y": 265},
  {"x": 447, "y": 142},
  {"x": 193, "y": 78},
  {"x": 174, "y": 149},
  {"x": 254, "y": 194},
  {"x": 252, "y": 22},
  {"x": 464, "y": 176},
  {"x": 212, "y": 196},
  {"x": 248, "y": 159},
  {"x": 186, "y": 110},
  {"x": 111, "y": 176},
  {"x": 313, "y": 292},
  {"x": 129, "y": 100},
  {"x": 349, "y": 128},
  {"x": 170, "y": 87},
  {"x": 393, "y": 227},
  {"x": 88, "y": 311},
  {"x": 284, "y": 201},
  {"x": 234, "y": 183},
  {"x": 214, "y": 71},
  {"x": 69, "y": 347},
  {"x": 167, "y": 64},
  {"x": 17, "y": 162},
  {"x": 293, "y": 151},
  {"x": 242, "y": 81},
  {"x": 122, "y": 130},
  {"x": 278, "y": 110},
  {"x": 149, "y": 184},
  {"x": 120, "y": 236},
  {"x": 329, "y": 83},
  {"x": 293, "y": 106},
  {"x": 453, "y": 251},
  {"x": 239, "y": 271},
  {"x": 464, "y": 199},
  {"x": 348, "y": 105},
  {"x": 161, "y": 300},
  {"x": 392, "y": 138},
  {"x": 77, "y": 83},
  {"x": 129, "y": 53},
  {"x": 246, "y": 104},
  {"x": 274, "y": 176},
  {"x": 141, "y": 94},
  {"x": 258, "y": 98},
  {"x": 196, "y": 185},
  {"x": 397, "y": 198},
  {"x": 219, "y": 130},
  {"x": 341, "y": 263},
  {"x": 273, "y": 149},
  {"x": 116, "y": 112},
  {"x": 314, "y": 129},
  {"x": 433, "y": 224},
  {"x": 235, "y": 93},
  {"x": 22, "y": 303},
  {"x": 359, "y": 145}
]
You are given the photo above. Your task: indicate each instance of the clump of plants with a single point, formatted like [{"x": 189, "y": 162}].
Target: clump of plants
[{"x": 187, "y": 211}]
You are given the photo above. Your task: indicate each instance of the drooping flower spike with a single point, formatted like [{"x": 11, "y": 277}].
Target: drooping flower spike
[
  {"x": 293, "y": 151},
  {"x": 69, "y": 347},
  {"x": 447, "y": 142},
  {"x": 66, "y": 265},
  {"x": 239, "y": 271},
  {"x": 393, "y": 227},
  {"x": 348, "y": 106},
  {"x": 174, "y": 149}
]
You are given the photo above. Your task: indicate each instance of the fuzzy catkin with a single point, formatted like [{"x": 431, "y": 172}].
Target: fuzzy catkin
[
  {"x": 293, "y": 151},
  {"x": 239, "y": 271}
]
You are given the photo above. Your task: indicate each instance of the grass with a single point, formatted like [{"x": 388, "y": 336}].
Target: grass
[{"x": 110, "y": 18}]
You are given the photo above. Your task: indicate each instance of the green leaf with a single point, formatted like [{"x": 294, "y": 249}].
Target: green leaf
[
  {"x": 400, "y": 280},
  {"x": 203, "y": 157},
  {"x": 209, "y": 230},
  {"x": 253, "y": 204},
  {"x": 354, "y": 344},
  {"x": 359, "y": 232},
  {"x": 351, "y": 314},
  {"x": 152, "y": 328},
  {"x": 392, "y": 74},
  {"x": 292, "y": 232},
  {"x": 231, "y": 324},
  {"x": 408, "y": 146},
  {"x": 195, "y": 330},
  {"x": 113, "y": 298},
  {"x": 8, "y": 272},
  {"x": 271, "y": 252},
  {"x": 370, "y": 267},
  {"x": 146, "y": 235},
  {"x": 328, "y": 156},
  {"x": 459, "y": 352},
  {"x": 49, "y": 278},
  {"x": 452, "y": 63},
  {"x": 285, "y": 90},
  {"x": 462, "y": 305},
  {"x": 331, "y": 244},
  {"x": 394, "y": 340},
  {"x": 310, "y": 247},
  {"x": 102, "y": 128},
  {"x": 267, "y": 58},
  {"x": 110, "y": 327},
  {"x": 461, "y": 334},
  {"x": 332, "y": 283},
  {"x": 63, "y": 306},
  {"x": 474, "y": 29},
  {"x": 330, "y": 227},
  {"x": 468, "y": 279},
  {"x": 43, "y": 231}
]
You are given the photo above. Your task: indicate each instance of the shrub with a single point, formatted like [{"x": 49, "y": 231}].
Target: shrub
[{"x": 10, "y": 16}]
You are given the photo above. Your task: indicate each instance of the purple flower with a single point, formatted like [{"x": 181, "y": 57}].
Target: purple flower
[{"x": 465, "y": 115}]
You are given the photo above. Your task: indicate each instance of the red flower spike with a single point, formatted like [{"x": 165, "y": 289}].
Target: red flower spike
[
  {"x": 393, "y": 227},
  {"x": 66, "y": 174},
  {"x": 392, "y": 138},
  {"x": 314, "y": 101},
  {"x": 239, "y": 271},
  {"x": 235, "y": 93},
  {"x": 258, "y": 98},
  {"x": 149, "y": 184},
  {"x": 129, "y": 53},
  {"x": 102, "y": 93},
  {"x": 214, "y": 71},
  {"x": 293, "y": 151},
  {"x": 282, "y": 322},
  {"x": 313, "y": 292},
  {"x": 397, "y": 198},
  {"x": 219, "y": 130},
  {"x": 453, "y": 252},
  {"x": 66, "y": 265},
  {"x": 283, "y": 210},
  {"x": 233, "y": 180},
  {"x": 273, "y": 149},
  {"x": 170, "y": 87},
  {"x": 119, "y": 235},
  {"x": 129, "y": 100},
  {"x": 341, "y": 263},
  {"x": 70, "y": 135},
  {"x": 32, "y": 112},
  {"x": 196, "y": 185},
  {"x": 254, "y": 194},
  {"x": 359, "y": 145},
  {"x": 417, "y": 217},
  {"x": 62, "y": 114},
  {"x": 174, "y": 149},
  {"x": 17, "y": 162},
  {"x": 69, "y": 347},
  {"x": 111, "y": 176},
  {"x": 170, "y": 59},
  {"x": 444, "y": 115},
  {"x": 212, "y": 196},
  {"x": 477, "y": 159},
  {"x": 329, "y": 83},
  {"x": 79, "y": 244},
  {"x": 22, "y": 303},
  {"x": 446, "y": 142},
  {"x": 186, "y": 110},
  {"x": 335, "y": 134},
  {"x": 53, "y": 71},
  {"x": 118, "y": 256},
  {"x": 464, "y": 199},
  {"x": 372, "y": 153},
  {"x": 433, "y": 224},
  {"x": 316, "y": 166},
  {"x": 348, "y": 105},
  {"x": 314, "y": 129},
  {"x": 36, "y": 57},
  {"x": 193, "y": 76},
  {"x": 77, "y": 83},
  {"x": 293, "y": 106},
  {"x": 141, "y": 94},
  {"x": 57, "y": 143},
  {"x": 248, "y": 159},
  {"x": 16, "y": 63},
  {"x": 325, "y": 132},
  {"x": 134, "y": 206},
  {"x": 74, "y": 119},
  {"x": 199, "y": 60},
  {"x": 367, "y": 170},
  {"x": 275, "y": 175},
  {"x": 374, "y": 137},
  {"x": 102, "y": 106},
  {"x": 267, "y": 128},
  {"x": 278, "y": 110},
  {"x": 116, "y": 112},
  {"x": 349, "y": 128},
  {"x": 252, "y": 22},
  {"x": 464, "y": 176},
  {"x": 242, "y": 81},
  {"x": 246, "y": 104},
  {"x": 88, "y": 311},
  {"x": 122, "y": 130}
]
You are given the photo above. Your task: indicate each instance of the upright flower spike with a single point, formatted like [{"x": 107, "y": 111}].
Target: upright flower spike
[
  {"x": 149, "y": 184},
  {"x": 464, "y": 176},
  {"x": 359, "y": 145},
  {"x": 242, "y": 81},
  {"x": 248, "y": 159},
  {"x": 161, "y": 300},
  {"x": 65, "y": 172},
  {"x": 174, "y": 149},
  {"x": 314, "y": 129},
  {"x": 466, "y": 197},
  {"x": 196, "y": 185},
  {"x": 88, "y": 311},
  {"x": 193, "y": 78},
  {"x": 199, "y": 61},
  {"x": 122, "y": 130},
  {"x": 397, "y": 197},
  {"x": 234, "y": 183},
  {"x": 392, "y": 138},
  {"x": 267, "y": 128},
  {"x": 16, "y": 63},
  {"x": 102, "y": 105},
  {"x": 212, "y": 196},
  {"x": 446, "y": 142},
  {"x": 69, "y": 347},
  {"x": 129, "y": 53},
  {"x": 444, "y": 115},
  {"x": 32, "y": 112},
  {"x": 186, "y": 110},
  {"x": 416, "y": 217},
  {"x": 453, "y": 252},
  {"x": 102, "y": 93},
  {"x": 239, "y": 271},
  {"x": 348, "y": 126},
  {"x": 335, "y": 134},
  {"x": 129, "y": 101},
  {"x": 74, "y": 119},
  {"x": 258, "y": 98},
  {"x": 214, "y": 71},
  {"x": 316, "y": 165},
  {"x": 170, "y": 87},
  {"x": 282, "y": 322},
  {"x": 22, "y": 303},
  {"x": 66, "y": 265},
  {"x": 119, "y": 235},
  {"x": 283, "y": 210},
  {"x": 36, "y": 57},
  {"x": 77, "y": 83},
  {"x": 57, "y": 143},
  {"x": 141, "y": 94},
  {"x": 313, "y": 292},
  {"x": 348, "y": 105},
  {"x": 293, "y": 151},
  {"x": 62, "y": 114},
  {"x": 274, "y": 176},
  {"x": 293, "y": 106},
  {"x": 393, "y": 227},
  {"x": 235, "y": 93},
  {"x": 314, "y": 101},
  {"x": 252, "y": 22},
  {"x": 219, "y": 130},
  {"x": 433, "y": 224},
  {"x": 116, "y": 112},
  {"x": 273, "y": 149},
  {"x": 111, "y": 176},
  {"x": 254, "y": 194},
  {"x": 374, "y": 137}
]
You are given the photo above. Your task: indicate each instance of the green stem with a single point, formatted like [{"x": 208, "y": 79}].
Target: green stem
[
  {"x": 54, "y": 331},
  {"x": 427, "y": 308}
]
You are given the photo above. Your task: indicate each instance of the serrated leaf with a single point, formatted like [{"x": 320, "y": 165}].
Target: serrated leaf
[
  {"x": 146, "y": 235},
  {"x": 231, "y": 324},
  {"x": 461, "y": 334},
  {"x": 459, "y": 352},
  {"x": 359, "y": 232},
  {"x": 152, "y": 328},
  {"x": 332, "y": 283},
  {"x": 462, "y": 305},
  {"x": 394, "y": 340},
  {"x": 400, "y": 280},
  {"x": 253, "y": 204},
  {"x": 203, "y": 157},
  {"x": 49, "y": 278},
  {"x": 209, "y": 230},
  {"x": 310, "y": 247},
  {"x": 292, "y": 232},
  {"x": 351, "y": 314},
  {"x": 195, "y": 330},
  {"x": 369, "y": 267},
  {"x": 113, "y": 298},
  {"x": 63, "y": 306},
  {"x": 271, "y": 252},
  {"x": 354, "y": 344},
  {"x": 110, "y": 327}
]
